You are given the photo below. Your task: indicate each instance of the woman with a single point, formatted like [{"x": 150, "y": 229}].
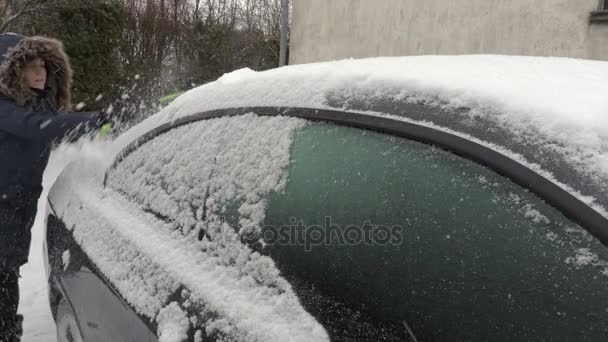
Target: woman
[{"x": 35, "y": 82}]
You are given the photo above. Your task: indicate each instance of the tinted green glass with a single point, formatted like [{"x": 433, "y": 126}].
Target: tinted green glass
[{"x": 464, "y": 254}]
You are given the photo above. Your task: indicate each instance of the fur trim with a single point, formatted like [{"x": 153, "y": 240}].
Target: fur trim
[{"x": 59, "y": 72}]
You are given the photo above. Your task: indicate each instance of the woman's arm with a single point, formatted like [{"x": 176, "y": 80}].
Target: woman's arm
[{"x": 46, "y": 126}]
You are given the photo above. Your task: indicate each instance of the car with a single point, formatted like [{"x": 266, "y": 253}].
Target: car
[{"x": 434, "y": 198}]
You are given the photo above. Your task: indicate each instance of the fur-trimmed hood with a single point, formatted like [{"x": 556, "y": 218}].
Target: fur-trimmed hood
[{"x": 59, "y": 72}]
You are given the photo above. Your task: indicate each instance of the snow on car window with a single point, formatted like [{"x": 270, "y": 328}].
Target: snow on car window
[
  {"x": 182, "y": 183},
  {"x": 192, "y": 173},
  {"x": 565, "y": 235}
]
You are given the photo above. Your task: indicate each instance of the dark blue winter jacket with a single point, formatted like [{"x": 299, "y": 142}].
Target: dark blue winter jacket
[
  {"x": 31, "y": 121},
  {"x": 25, "y": 141}
]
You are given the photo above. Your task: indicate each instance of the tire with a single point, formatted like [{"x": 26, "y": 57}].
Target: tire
[{"x": 67, "y": 326}]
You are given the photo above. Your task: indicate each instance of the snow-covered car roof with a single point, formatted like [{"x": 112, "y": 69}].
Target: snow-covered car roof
[{"x": 550, "y": 114}]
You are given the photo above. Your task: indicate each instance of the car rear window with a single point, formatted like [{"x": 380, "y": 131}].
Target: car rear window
[{"x": 407, "y": 237}]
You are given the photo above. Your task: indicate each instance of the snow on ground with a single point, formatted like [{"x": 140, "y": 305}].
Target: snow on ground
[{"x": 38, "y": 324}]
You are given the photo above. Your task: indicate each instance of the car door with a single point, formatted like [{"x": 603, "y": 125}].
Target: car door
[{"x": 101, "y": 313}]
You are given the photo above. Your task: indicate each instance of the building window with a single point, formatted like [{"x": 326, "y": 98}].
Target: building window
[{"x": 601, "y": 15}]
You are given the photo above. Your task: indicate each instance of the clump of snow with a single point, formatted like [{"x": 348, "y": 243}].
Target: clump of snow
[
  {"x": 530, "y": 212},
  {"x": 482, "y": 180},
  {"x": 237, "y": 76},
  {"x": 528, "y": 209},
  {"x": 65, "y": 258},
  {"x": 515, "y": 198},
  {"x": 198, "y": 336},
  {"x": 551, "y": 236},
  {"x": 582, "y": 244},
  {"x": 172, "y": 324},
  {"x": 586, "y": 258},
  {"x": 110, "y": 109},
  {"x": 583, "y": 257},
  {"x": 220, "y": 326}
]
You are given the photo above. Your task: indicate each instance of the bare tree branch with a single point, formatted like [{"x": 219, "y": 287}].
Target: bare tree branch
[
  {"x": 6, "y": 5},
  {"x": 27, "y": 7}
]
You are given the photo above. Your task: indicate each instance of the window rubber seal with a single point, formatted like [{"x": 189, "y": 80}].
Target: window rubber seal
[{"x": 570, "y": 206}]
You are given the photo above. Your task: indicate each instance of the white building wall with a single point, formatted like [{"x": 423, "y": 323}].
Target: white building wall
[{"x": 334, "y": 29}]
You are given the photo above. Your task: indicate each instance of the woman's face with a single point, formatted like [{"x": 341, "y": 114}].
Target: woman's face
[{"x": 35, "y": 74}]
